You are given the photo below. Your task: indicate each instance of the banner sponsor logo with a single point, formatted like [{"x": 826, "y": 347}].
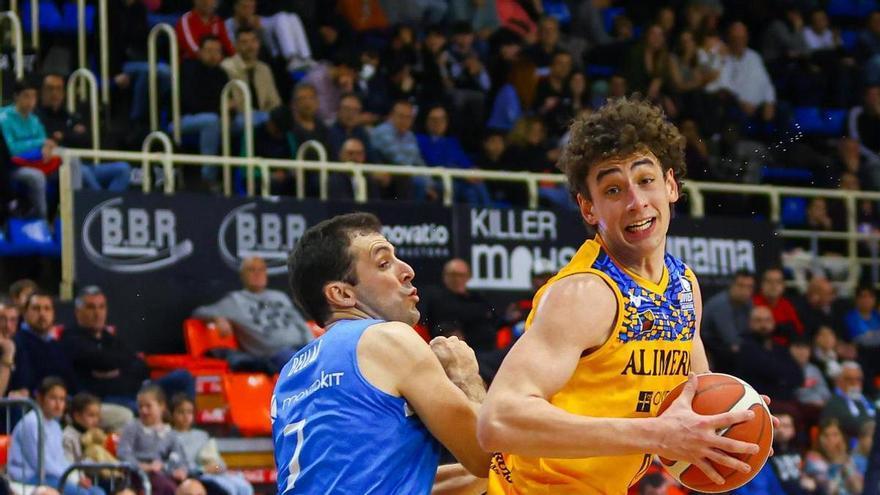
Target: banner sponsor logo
[
  {"x": 713, "y": 256},
  {"x": 132, "y": 240},
  {"x": 424, "y": 240},
  {"x": 246, "y": 232}
]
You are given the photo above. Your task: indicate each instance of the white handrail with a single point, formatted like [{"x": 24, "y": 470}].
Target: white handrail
[
  {"x": 316, "y": 146},
  {"x": 35, "y": 25},
  {"x": 245, "y": 91},
  {"x": 175, "y": 79},
  {"x": 167, "y": 165},
  {"x": 103, "y": 40},
  {"x": 89, "y": 78},
  {"x": 17, "y": 38}
]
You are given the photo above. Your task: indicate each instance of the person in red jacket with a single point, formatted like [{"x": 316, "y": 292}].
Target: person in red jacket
[
  {"x": 788, "y": 323},
  {"x": 198, "y": 22}
]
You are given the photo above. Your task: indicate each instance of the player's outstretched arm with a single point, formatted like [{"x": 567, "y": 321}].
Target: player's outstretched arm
[
  {"x": 395, "y": 359},
  {"x": 575, "y": 315},
  {"x": 454, "y": 479}
]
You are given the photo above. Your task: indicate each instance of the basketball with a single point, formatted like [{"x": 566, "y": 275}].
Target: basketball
[{"x": 719, "y": 393}]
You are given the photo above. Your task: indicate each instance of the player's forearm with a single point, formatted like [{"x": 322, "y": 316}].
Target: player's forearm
[
  {"x": 454, "y": 479},
  {"x": 535, "y": 428},
  {"x": 472, "y": 386}
]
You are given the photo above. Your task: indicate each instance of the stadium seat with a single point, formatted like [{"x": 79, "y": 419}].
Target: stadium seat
[
  {"x": 843, "y": 8},
  {"x": 809, "y": 120},
  {"x": 608, "y": 16},
  {"x": 4, "y": 451},
  {"x": 834, "y": 121},
  {"x": 423, "y": 332},
  {"x": 200, "y": 338},
  {"x": 794, "y": 212},
  {"x": 557, "y": 9},
  {"x": 849, "y": 39},
  {"x": 248, "y": 396}
]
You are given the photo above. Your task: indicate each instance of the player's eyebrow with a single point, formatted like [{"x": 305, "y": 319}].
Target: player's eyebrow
[
  {"x": 378, "y": 249},
  {"x": 616, "y": 168}
]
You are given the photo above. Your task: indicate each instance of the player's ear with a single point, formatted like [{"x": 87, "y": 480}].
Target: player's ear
[
  {"x": 339, "y": 295},
  {"x": 586, "y": 207},
  {"x": 672, "y": 191}
]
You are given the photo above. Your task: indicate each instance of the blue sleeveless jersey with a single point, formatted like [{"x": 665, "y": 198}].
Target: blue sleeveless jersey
[{"x": 334, "y": 432}]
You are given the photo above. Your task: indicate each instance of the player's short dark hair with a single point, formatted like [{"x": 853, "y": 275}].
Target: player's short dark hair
[
  {"x": 208, "y": 37},
  {"x": 622, "y": 127},
  {"x": 81, "y": 401},
  {"x": 323, "y": 255}
]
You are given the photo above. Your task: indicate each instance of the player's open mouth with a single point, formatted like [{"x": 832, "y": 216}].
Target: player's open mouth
[{"x": 641, "y": 225}]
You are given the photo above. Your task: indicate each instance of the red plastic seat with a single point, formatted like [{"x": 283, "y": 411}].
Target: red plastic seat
[
  {"x": 248, "y": 396},
  {"x": 4, "y": 450},
  {"x": 200, "y": 338}
]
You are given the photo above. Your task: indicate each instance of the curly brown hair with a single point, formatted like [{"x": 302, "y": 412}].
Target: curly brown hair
[{"x": 620, "y": 128}]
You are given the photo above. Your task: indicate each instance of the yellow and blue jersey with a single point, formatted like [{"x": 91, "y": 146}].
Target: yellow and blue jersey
[{"x": 647, "y": 355}]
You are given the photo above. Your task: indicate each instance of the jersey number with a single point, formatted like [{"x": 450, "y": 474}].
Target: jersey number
[{"x": 293, "y": 466}]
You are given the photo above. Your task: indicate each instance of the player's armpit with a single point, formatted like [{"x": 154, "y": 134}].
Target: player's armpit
[
  {"x": 576, "y": 314},
  {"x": 454, "y": 479},
  {"x": 394, "y": 358},
  {"x": 699, "y": 360}
]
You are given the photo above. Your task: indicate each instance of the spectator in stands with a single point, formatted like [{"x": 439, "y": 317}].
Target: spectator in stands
[
  {"x": 267, "y": 326},
  {"x": 726, "y": 320},
  {"x": 830, "y": 463},
  {"x": 395, "y": 143},
  {"x": 441, "y": 150},
  {"x": 819, "y": 308},
  {"x": 20, "y": 291},
  {"x": 7, "y": 345},
  {"x": 245, "y": 66},
  {"x": 818, "y": 35},
  {"x": 786, "y": 461},
  {"x": 552, "y": 92},
  {"x": 864, "y": 121},
  {"x": 202, "y": 456},
  {"x": 201, "y": 83},
  {"x": 465, "y": 64},
  {"x": 23, "y": 454},
  {"x": 12, "y": 315},
  {"x": 129, "y": 29},
  {"x": 282, "y": 33},
  {"x": 103, "y": 363},
  {"x": 483, "y": 16},
  {"x": 191, "y": 486},
  {"x": 305, "y": 124},
  {"x": 38, "y": 353},
  {"x": 32, "y": 152},
  {"x": 765, "y": 364},
  {"x": 83, "y": 439},
  {"x": 199, "y": 22},
  {"x": 688, "y": 77},
  {"x": 453, "y": 309},
  {"x": 849, "y": 406},
  {"x": 349, "y": 124},
  {"x": 825, "y": 352},
  {"x": 148, "y": 442},
  {"x": 872, "y": 472},
  {"x": 784, "y": 39},
  {"x": 380, "y": 186},
  {"x": 550, "y": 42},
  {"x": 647, "y": 67},
  {"x": 850, "y": 159},
  {"x": 331, "y": 80},
  {"x": 814, "y": 392},
  {"x": 771, "y": 295},
  {"x": 863, "y": 328},
  {"x": 67, "y": 129},
  {"x": 744, "y": 76},
  {"x": 864, "y": 443},
  {"x": 494, "y": 157}
]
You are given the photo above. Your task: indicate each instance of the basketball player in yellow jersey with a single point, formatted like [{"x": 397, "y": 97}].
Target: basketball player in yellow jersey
[{"x": 573, "y": 408}]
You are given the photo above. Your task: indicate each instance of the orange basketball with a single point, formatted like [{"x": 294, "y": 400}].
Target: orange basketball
[{"x": 719, "y": 393}]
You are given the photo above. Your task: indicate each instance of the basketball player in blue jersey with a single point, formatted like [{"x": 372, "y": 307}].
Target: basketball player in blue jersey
[
  {"x": 573, "y": 408},
  {"x": 364, "y": 409}
]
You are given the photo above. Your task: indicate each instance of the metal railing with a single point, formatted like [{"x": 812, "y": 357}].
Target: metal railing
[
  {"x": 174, "y": 63},
  {"x": 167, "y": 166},
  {"x": 92, "y": 84},
  {"x": 697, "y": 191},
  {"x": 97, "y": 469},
  {"x": 24, "y": 405},
  {"x": 248, "y": 111}
]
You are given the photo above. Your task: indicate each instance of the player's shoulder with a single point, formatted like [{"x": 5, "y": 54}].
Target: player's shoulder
[
  {"x": 590, "y": 286},
  {"x": 394, "y": 341}
]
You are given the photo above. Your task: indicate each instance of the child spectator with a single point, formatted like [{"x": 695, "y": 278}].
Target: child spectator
[
  {"x": 51, "y": 399},
  {"x": 83, "y": 439},
  {"x": 202, "y": 456},
  {"x": 830, "y": 463},
  {"x": 150, "y": 443}
]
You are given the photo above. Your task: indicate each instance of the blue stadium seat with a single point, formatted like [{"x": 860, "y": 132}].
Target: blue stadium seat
[
  {"x": 849, "y": 39},
  {"x": 608, "y": 16},
  {"x": 778, "y": 175},
  {"x": 865, "y": 7},
  {"x": 834, "y": 120},
  {"x": 557, "y": 9},
  {"x": 153, "y": 19},
  {"x": 809, "y": 120},
  {"x": 794, "y": 212},
  {"x": 57, "y": 19},
  {"x": 598, "y": 71},
  {"x": 843, "y": 8},
  {"x": 26, "y": 237}
]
